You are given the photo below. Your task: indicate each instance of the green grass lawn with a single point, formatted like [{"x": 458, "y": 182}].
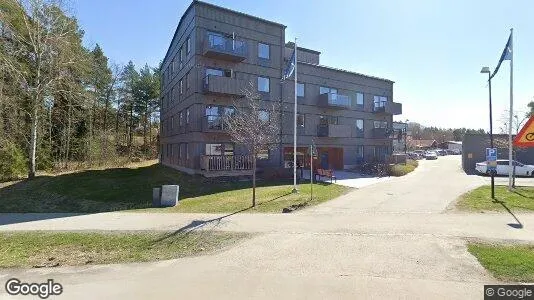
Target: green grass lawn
[
  {"x": 51, "y": 249},
  {"x": 506, "y": 262},
  {"x": 131, "y": 188},
  {"x": 479, "y": 199},
  {"x": 403, "y": 169},
  {"x": 268, "y": 199}
]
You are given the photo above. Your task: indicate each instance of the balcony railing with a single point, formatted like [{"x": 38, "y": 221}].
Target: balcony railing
[
  {"x": 332, "y": 130},
  {"x": 388, "y": 107},
  {"x": 223, "y": 85},
  {"x": 226, "y": 162},
  {"x": 334, "y": 100},
  {"x": 382, "y": 133},
  {"x": 218, "y": 46}
]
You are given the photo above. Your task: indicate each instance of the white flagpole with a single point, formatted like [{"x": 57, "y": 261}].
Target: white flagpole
[
  {"x": 295, "y": 128},
  {"x": 510, "y": 151}
]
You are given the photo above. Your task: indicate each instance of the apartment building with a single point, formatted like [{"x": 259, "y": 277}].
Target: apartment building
[{"x": 216, "y": 52}]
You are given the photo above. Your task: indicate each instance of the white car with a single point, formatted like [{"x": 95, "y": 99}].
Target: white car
[
  {"x": 431, "y": 155},
  {"x": 502, "y": 168}
]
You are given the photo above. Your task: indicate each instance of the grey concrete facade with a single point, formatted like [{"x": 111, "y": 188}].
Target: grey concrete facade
[{"x": 215, "y": 52}]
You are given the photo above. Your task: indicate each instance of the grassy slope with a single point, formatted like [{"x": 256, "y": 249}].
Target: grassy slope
[
  {"x": 131, "y": 188},
  {"x": 46, "y": 249},
  {"x": 506, "y": 262},
  {"x": 479, "y": 199}
]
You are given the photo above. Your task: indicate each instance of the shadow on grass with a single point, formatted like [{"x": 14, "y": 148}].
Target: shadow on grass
[
  {"x": 517, "y": 225},
  {"x": 95, "y": 191},
  {"x": 522, "y": 195},
  {"x": 198, "y": 224}
]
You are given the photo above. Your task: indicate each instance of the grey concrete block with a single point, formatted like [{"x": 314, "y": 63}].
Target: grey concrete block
[
  {"x": 156, "y": 197},
  {"x": 169, "y": 195}
]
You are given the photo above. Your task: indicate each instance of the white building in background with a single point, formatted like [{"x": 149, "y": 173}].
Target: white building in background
[{"x": 454, "y": 145}]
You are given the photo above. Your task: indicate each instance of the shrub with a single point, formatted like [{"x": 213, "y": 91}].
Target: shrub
[
  {"x": 403, "y": 169},
  {"x": 12, "y": 162}
]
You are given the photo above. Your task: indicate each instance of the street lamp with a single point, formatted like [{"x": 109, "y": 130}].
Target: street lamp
[
  {"x": 487, "y": 70},
  {"x": 405, "y": 135}
]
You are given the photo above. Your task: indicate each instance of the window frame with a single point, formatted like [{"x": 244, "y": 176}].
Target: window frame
[
  {"x": 188, "y": 45},
  {"x": 268, "y": 84},
  {"x": 268, "y": 51},
  {"x": 360, "y": 132},
  {"x": 303, "y": 89}
]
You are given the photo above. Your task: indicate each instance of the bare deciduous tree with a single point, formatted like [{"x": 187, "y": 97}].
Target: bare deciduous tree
[{"x": 256, "y": 125}]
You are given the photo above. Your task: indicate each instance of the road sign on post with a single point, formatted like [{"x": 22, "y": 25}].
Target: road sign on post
[
  {"x": 491, "y": 159},
  {"x": 525, "y": 137}
]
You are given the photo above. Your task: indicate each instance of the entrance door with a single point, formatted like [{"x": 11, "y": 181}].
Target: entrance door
[{"x": 324, "y": 160}]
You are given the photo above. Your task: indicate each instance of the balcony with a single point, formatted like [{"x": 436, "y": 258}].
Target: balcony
[
  {"x": 381, "y": 133},
  {"x": 333, "y": 100},
  {"x": 220, "y": 47},
  {"x": 389, "y": 107},
  {"x": 331, "y": 130},
  {"x": 226, "y": 165},
  {"x": 221, "y": 85}
]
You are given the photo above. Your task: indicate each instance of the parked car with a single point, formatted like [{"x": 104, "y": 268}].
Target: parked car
[
  {"x": 421, "y": 153},
  {"x": 503, "y": 167},
  {"x": 441, "y": 152},
  {"x": 414, "y": 155},
  {"x": 456, "y": 151},
  {"x": 431, "y": 155}
]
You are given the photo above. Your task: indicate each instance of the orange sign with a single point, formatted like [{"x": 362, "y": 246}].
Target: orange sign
[{"x": 525, "y": 137}]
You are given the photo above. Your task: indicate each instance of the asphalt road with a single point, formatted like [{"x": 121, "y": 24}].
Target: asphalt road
[{"x": 395, "y": 239}]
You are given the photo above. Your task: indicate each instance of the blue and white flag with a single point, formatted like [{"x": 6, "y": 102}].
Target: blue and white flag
[
  {"x": 290, "y": 67},
  {"x": 507, "y": 54}
]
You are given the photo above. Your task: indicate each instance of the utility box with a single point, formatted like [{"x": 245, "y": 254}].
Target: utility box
[{"x": 169, "y": 195}]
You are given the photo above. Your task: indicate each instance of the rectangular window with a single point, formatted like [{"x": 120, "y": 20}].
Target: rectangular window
[
  {"x": 359, "y": 128},
  {"x": 187, "y": 80},
  {"x": 328, "y": 120},
  {"x": 186, "y": 150},
  {"x": 326, "y": 90},
  {"x": 180, "y": 119},
  {"x": 181, "y": 84},
  {"x": 264, "y": 51},
  {"x": 172, "y": 149},
  {"x": 359, "y": 99},
  {"x": 300, "y": 89},
  {"x": 300, "y": 120},
  {"x": 264, "y": 116},
  {"x": 263, "y": 84},
  {"x": 172, "y": 95},
  {"x": 263, "y": 154},
  {"x": 380, "y": 101},
  {"x": 220, "y": 149},
  {"x": 179, "y": 151},
  {"x": 188, "y": 45},
  {"x": 359, "y": 154},
  {"x": 172, "y": 68},
  {"x": 187, "y": 116},
  {"x": 182, "y": 56},
  {"x": 172, "y": 122},
  {"x": 380, "y": 124}
]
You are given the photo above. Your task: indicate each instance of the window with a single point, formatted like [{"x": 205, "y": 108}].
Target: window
[
  {"x": 187, "y": 80},
  {"x": 380, "y": 101},
  {"x": 186, "y": 150},
  {"x": 172, "y": 95},
  {"x": 217, "y": 72},
  {"x": 326, "y": 90},
  {"x": 220, "y": 149},
  {"x": 300, "y": 89},
  {"x": 172, "y": 68},
  {"x": 359, "y": 154},
  {"x": 359, "y": 128},
  {"x": 179, "y": 151},
  {"x": 263, "y": 51},
  {"x": 180, "y": 119},
  {"x": 171, "y": 148},
  {"x": 300, "y": 120},
  {"x": 188, "y": 45},
  {"x": 172, "y": 122},
  {"x": 182, "y": 56},
  {"x": 214, "y": 115},
  {"x": 359, "y": 99},
  {"x": 263, "y": 84},
  {"x": 263, "y": 154},
  {"x": 264, "y": 116},
  {"x": 380, "y": 152},
  {"x": 187, "y": 116},
  {"x": 326, "y": 120},
  {"x": 380, "y": 124}
]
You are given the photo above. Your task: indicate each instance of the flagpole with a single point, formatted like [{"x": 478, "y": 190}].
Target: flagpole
[
  {"x": 295, "y": 190},
  {"x": 510, "y": 151}
]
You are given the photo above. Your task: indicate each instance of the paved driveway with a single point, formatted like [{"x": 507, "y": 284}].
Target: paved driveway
[{"x": 387, "y": 240}]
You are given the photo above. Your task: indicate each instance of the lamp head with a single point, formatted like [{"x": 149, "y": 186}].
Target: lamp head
[{"x": 485, "y": 70}]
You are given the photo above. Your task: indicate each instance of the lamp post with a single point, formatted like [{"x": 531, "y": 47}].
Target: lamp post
[
  {"x": 487, "y": 70},
  {"x": 405, "y": 135}
]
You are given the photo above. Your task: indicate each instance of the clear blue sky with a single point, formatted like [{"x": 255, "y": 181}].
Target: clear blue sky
[{"x": 433, "y": 50}]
